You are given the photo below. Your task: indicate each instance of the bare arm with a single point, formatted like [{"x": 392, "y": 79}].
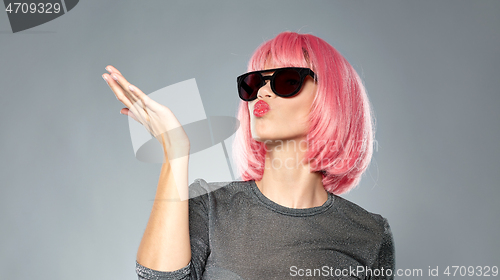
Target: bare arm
[{"x": 165, "y": 245}]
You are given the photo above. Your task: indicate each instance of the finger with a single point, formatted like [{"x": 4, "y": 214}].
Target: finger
[
  {"x": 109, "y": 81},
  {"x": 126, "y": 98},
  {"x": 135, "y": 92},
  {"x": 127, "y": 112},
  {"x": 112, "y": 69},
  {"x": 123, "y": 83},
  {"x": 120, "y": 93},
  {"x": 147, "y": 101},
  {"x": 140, "y": 120},
  {"x": 135, "y": 97}
]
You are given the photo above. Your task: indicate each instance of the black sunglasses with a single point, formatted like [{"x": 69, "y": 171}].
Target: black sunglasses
[{"x": 285, "y": 82}]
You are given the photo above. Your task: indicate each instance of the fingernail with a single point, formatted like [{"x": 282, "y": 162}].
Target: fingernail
[
  {"x": 131, "y": 88},
  {"x": 108, "y": 69},
  {"x": 104, "y": 78},
  {"x": 114, "y": 77}
]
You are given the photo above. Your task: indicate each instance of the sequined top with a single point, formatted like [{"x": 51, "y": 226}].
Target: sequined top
[{"x": 238, "y": 233}]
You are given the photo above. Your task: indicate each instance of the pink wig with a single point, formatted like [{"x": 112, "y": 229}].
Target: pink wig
[{"x": 340, "y": 135}]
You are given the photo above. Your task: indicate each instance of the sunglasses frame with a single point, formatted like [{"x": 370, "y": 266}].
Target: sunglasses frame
[{"x": 303, "y": 72}]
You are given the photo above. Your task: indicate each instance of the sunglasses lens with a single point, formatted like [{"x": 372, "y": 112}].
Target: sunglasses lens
[
  {"x": 286, "y": 81},
  {"x": 250, "y": 86}
]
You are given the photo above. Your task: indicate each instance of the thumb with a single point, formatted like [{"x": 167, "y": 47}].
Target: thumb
[{"x": 127, "y": 112}]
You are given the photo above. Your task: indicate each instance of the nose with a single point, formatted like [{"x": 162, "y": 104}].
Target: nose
[{"x": 265, "y": 91}]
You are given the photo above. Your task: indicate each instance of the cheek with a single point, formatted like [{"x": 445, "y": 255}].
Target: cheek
[
  {"x": 301, "y": 108},
  {"x": 295, "y": 117},
  {"x": 300, "y": 114}
]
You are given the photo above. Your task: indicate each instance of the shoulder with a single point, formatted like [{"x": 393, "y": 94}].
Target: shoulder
[
  {"x": 369, "y": 228},
  {"x": 361, "y": 218},
  {"x": 217, "y": 190},
  {"x": 219, "y": 198}
]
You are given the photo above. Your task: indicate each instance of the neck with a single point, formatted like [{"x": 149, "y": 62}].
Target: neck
[{"x": 287, "y": 181}]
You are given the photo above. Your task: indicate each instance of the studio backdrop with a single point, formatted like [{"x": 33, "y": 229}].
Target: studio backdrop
[{"x": 75, "y": 196}]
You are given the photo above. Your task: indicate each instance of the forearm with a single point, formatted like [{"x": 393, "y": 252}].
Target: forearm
[{"x": 165, "y": 245}]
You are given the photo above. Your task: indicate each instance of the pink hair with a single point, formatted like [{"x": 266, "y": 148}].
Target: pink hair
[{"x": 340, "y": 135}]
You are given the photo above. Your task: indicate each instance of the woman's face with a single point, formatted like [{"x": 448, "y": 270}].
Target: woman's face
[{"x": 287, "y": 118}]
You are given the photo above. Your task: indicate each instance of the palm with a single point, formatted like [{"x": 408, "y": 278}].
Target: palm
[{"x": 156, "y": 118}]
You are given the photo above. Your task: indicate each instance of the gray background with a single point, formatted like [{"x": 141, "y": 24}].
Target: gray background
[{"x": 74, "y": 201}]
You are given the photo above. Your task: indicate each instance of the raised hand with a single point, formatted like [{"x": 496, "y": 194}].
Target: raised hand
[{"x": 156, "y": 118}]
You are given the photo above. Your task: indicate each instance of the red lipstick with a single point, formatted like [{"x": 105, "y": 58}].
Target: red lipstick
[{"x": 261, "y": 108}]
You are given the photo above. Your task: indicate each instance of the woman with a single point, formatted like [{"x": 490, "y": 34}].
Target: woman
[{"x": 306, "y": 136}]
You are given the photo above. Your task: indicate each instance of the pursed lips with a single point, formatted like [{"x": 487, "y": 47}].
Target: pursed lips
[{"x": 261, "y": 108}]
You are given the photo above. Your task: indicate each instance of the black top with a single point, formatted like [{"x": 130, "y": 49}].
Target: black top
[{"x": 238, "y": 233}]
